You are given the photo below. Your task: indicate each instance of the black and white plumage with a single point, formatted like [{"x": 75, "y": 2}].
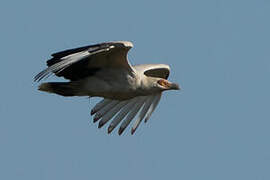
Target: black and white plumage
[{"x": 103, "y": 70}]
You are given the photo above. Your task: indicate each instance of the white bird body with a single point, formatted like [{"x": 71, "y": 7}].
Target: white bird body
[
  {"x": 109, "y": 83},
  {"x": 103, "y": 70}
]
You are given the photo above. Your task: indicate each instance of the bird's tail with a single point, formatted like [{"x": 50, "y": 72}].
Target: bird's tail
[{"x": 60, "y": 88}]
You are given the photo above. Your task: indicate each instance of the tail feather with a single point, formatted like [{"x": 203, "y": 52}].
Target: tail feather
[{"x": 60, "y": 88}]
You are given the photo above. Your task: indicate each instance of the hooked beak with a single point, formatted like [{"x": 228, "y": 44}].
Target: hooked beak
[{"x": 174, "y": 86}]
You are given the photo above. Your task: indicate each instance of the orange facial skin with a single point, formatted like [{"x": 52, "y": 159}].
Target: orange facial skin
[{"x": 164, "y": 83}]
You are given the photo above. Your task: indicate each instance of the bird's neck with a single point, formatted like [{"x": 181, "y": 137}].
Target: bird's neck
[{"x": 146, "y": 85}]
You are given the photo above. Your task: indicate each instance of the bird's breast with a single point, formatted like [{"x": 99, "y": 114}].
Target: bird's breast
[{"x": 113, "y": 84}]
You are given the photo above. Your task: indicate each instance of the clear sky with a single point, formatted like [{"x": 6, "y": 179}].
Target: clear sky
[{"x": 217, "y": 127}]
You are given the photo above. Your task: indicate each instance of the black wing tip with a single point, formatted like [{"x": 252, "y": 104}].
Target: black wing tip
[
  {"x": 100, "y": 124},
  {"x": 95, "y": 120},
  {"x": 110, "y": 129},
  {"x": 92, "y": 112},
  {"x": 120, "y": 131},
  {"x": 133, "y": 131}
]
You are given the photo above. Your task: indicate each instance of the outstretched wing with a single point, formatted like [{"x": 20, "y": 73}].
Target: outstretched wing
[
  {"x": 125, "y": 111},
  {"x": 78, "y": 63},
  {"x": 154, "y": 70}
]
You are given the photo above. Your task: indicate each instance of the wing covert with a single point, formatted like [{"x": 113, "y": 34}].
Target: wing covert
[
  {"x": 75, "y": 64},
  {"x": 154, "y": 70}
]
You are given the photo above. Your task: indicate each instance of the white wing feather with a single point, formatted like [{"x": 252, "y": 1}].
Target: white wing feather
[
  {"x": 100, "y": 105},
  {"x": 142, "y": 114},
  {"x": 111, "y": 113},
  {"x": 154, "y": 70},
  {"x": 105, "y": 109},
  {"x": 117, "y": 119},
  {"x": 131, "y": 114},
  {"x": 153, "y": 107}
]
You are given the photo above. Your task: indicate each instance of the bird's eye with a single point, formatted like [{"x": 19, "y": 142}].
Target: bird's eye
[{"x": 164, "y": 83}]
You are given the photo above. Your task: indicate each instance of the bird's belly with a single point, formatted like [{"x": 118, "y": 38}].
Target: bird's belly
[
  {"x": 123, "y": 93},
  {"x": 117, "y": 95},
  {"x": 112, "y": 89}
]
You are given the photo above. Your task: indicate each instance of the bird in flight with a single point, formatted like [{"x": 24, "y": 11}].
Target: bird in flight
[{"x": 103, "y": 70}]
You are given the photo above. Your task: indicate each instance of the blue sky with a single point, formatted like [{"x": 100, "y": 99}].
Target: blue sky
[{"x": 217, "y": 127}]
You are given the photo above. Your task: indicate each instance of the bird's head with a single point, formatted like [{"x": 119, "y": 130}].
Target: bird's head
[{"x": 163, "y": 84}]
